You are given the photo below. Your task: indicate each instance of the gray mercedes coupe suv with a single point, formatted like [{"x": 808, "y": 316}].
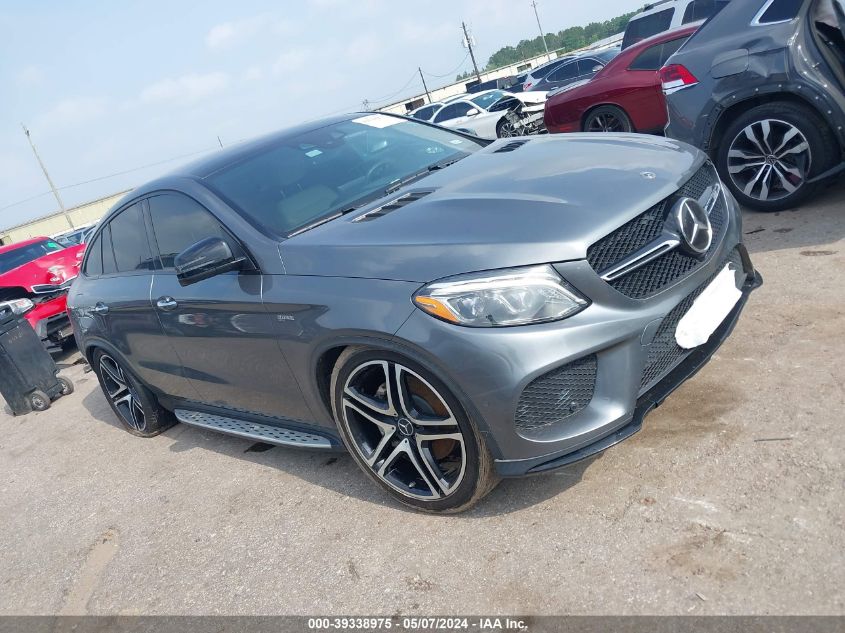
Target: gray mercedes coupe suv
[{"x": 452, "y": 311}]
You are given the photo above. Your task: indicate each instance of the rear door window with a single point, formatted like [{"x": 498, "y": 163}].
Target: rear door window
[
  {"x": 586, "y": 66},
  {"x": 646, "y": 26},
  {"x": 564, "y": 73},
  {"x": 129, "y": 241},
  {"x": 453, "y": 111}
]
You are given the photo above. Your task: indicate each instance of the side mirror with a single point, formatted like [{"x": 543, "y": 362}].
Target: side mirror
[
  {"x": 597, "y": 68},
  {"x": 472, "y": 112},
  {"x": 207, "y": 258}
]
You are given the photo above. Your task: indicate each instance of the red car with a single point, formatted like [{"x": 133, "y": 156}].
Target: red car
[
  {"x": 624, "y": 96},
  {"x": 34, "y": 278}
]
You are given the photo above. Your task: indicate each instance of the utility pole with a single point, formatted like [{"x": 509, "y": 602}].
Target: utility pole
[
  {"x": 424, "y": 86},
  {"x": 542, "y": 35},
  {"x": 47, "y": 176},
  {"x": 471, "y": 53}
]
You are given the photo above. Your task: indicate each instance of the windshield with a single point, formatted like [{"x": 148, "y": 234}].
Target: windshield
[
  {"x": 488, "y": 98},
  {"x": 25, "y": 254},
  {"x": 324, "y": 171}
]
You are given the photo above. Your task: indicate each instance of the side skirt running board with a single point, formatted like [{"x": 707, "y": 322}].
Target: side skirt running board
[{"x": 268, "y": 433}]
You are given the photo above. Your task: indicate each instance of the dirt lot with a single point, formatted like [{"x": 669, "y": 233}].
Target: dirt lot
[{"x": 730, "y": 500}]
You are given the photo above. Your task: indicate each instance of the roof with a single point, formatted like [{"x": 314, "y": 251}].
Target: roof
[
  {"x": 17, "y": 245},
  {"x": 220, "y": 159}
]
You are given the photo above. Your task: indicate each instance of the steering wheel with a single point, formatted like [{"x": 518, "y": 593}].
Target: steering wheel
[{"x": 378, "y": 171}]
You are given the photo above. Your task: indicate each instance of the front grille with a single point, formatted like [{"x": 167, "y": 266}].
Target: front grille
[
  {"x": 659, "y": 273},
  {"x": 557, "y": 395},
  {"x": 664, "y": 353}
]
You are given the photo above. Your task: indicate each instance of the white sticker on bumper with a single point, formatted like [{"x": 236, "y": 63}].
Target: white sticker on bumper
[{"x": 709, "y": 309}]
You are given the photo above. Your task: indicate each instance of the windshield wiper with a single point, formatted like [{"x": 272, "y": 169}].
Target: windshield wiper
[
  {"x": 398, "y": 184},
  {"x": 327, "y": 218}
]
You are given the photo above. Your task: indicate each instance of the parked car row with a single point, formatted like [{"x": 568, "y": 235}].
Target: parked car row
[
  {"x": 484, "y": 114},
  {"x": 759, "y": 86}
]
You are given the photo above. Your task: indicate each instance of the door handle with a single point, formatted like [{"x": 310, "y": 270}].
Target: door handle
[
  {"x": 166, "y": 303},
  {"x": 100, "y": 308}
]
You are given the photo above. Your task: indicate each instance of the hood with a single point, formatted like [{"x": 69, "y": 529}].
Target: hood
[
  {"x": 36, "y": 276},
  {"x": 531, "y": 98},
  {"x": 516, "y": 202}
]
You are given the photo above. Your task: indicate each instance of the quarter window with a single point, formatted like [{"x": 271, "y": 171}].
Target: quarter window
[
  {"x": 180, "y": 222},
  {"x": 654, "y": 57},
  {"x": 780, "y": 11},
  {"x": 94, "y": 263}
]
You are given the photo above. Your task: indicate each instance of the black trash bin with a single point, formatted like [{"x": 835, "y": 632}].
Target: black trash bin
[{"x": 28, "y": 375}]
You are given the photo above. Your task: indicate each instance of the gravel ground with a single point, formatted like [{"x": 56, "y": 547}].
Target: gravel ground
[{"x": 730, "y": 500}]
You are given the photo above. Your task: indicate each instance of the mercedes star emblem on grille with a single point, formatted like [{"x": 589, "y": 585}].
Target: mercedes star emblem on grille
[{"x": 693, "y": 226}]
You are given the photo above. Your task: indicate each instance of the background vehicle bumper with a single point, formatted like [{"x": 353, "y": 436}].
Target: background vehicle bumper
[{"x": 50, "y": 321}]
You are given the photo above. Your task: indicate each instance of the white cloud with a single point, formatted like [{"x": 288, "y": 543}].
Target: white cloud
[
  {"x": 253, "y": 73},
  {"x": 229, "y": 34},
  {"x": 362, "y": 49},
  {"x": 186, "y": 89},
  {"x": 72, "y": 112},
  {"x": 291, "y": 61},
  {"x": 30, "y": 76}
]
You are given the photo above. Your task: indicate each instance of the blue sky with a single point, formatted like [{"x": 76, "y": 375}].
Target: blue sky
[{"x": 106, "y": 87}]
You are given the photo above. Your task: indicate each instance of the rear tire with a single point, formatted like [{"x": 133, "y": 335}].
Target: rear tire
[
  {"x": 134, "y": 405},
  {"x": 608, "y": 118},
  {"x": 408, "y": 432},
  {"x": 763, "y": 168}
]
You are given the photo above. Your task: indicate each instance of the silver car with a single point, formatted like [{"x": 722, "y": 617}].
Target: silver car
[{"x": 448, "y": 310}]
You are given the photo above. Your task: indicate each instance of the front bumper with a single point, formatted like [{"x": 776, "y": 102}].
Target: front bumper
[
  {"x": 489, "y": 369},
  {"x": 50, "y": 321},
  {"x": 652, "y": 399}
]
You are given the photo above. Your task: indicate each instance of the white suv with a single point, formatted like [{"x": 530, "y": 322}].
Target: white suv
[{"x": 663, "y": 15}]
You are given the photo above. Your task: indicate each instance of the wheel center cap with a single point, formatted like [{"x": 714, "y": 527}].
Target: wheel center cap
[
  {"x": 771, "y": 159},
  {"x": 405, "y": 426}
]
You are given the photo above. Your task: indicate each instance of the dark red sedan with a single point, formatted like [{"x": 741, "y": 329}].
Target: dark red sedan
[{"x": 624, "y": 96}]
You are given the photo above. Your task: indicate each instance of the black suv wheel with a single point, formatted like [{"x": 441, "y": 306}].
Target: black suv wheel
[
  {"x": 768, "y": 154},
  {"x": 408, "y": 432},
  {"x": 135, "y": 406}
]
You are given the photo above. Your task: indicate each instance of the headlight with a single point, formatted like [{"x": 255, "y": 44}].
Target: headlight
[
  {"x": 515, "y": 296},
  {"x": 18, "y": 306}
]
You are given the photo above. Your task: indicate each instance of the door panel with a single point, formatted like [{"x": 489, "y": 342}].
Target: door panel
[
  {"x": 227, "y": 345},
  {"x": 119, "y": 302},
  {"x": 219, "y": 328}
]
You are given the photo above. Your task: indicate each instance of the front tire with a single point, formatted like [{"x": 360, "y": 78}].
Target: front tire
[
  {"x": 505, "y": 129},
  {"x": 135, "y": 406},
  {"x": 408, "y": 432},
  {"x": 767, "y": 155}
]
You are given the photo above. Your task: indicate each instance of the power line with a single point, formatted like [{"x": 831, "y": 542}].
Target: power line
[
  {"x": 119, "y": 173},
  {"x": 451, "y": 72},
  {"x": 398, "y": 92}
]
